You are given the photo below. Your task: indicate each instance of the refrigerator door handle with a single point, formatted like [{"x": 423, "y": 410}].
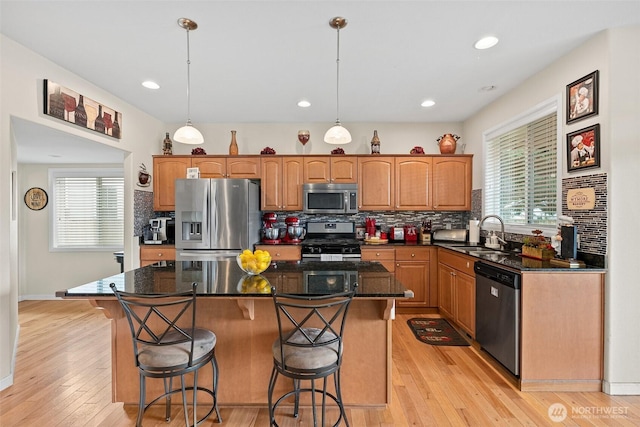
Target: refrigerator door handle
[{"x": 212, "y": 207}]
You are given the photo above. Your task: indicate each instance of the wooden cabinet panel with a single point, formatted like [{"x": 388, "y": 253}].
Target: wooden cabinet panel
[
  {"x": 385, "y": 256},
  {"x": 317, "y": 169},
  {"x": 282, "y": 252},
  {"x": 344, "y": 169},
  {"x": 326, "y": 169},
  {"x": 452, "y": 183},
  {"x": 457, "y": 289},
  {"x": 376, "y": 183},
  {"x": 152, "y": 254},
  {"x": 413, "y": 183},
  {"x": 466, "y": 302},
  {"x": 445, "y": 291},
  {"x": 243, "y": 167},
  {"x": 413, "y": 271},
  {"x": 292, "y": 183},
  {"x": 210, "y": 167},
  {"x": 165, "y": 171},
  {"x": 281, "y": 183}
]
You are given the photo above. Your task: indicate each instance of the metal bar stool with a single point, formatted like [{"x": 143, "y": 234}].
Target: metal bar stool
[
  {"x": 309, "y": 347},
  {"x": 167, "y": 344}
]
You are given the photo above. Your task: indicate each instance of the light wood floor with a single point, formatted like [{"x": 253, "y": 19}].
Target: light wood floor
[{"x": 62, "y": 378}]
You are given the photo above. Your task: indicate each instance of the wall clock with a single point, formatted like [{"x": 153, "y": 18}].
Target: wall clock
[{"x": 36, "y": 198}]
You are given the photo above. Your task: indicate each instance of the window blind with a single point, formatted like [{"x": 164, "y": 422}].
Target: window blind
[
  {"x": 521, "y": 173},
  {"x": 88, "y": 210}
]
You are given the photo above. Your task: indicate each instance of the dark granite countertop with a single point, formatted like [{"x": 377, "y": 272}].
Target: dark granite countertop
[{"x": 225, "y": 279}]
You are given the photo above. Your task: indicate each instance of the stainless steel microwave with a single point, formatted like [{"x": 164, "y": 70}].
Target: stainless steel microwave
[
  {"x": 330, "y": 198},
  {"x": 323, "y": 282}
]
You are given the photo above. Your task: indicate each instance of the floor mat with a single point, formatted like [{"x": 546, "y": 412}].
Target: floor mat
[{"x": 436, "y": 332}]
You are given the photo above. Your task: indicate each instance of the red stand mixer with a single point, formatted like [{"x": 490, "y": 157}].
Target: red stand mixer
[
  {"x": 270, "y": 233},
  {"x": 295, "y": 231}
]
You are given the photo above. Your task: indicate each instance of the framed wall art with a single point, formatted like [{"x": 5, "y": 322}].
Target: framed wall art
[
  {"x": 72, "y": 107},
  {"x": 583, "y": 148},
  {"x": 582, "y": 98},
  {"x": 36, "y": 198}
]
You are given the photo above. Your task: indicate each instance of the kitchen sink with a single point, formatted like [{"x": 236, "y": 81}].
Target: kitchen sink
[
  {"x": 476, "y": 249},
  {"x": 487, "y": 252}
]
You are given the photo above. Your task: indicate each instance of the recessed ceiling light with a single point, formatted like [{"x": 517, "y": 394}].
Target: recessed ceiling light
[
  {"x": 150, "y": 85},
  {"x": 486, "y": 42},
  {"x": 304, "y": 104},
  {"x": 428, "y": 103}
]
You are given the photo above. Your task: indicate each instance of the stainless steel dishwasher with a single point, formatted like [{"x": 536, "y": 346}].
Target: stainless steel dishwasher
[{"x": 498, "y": 314}]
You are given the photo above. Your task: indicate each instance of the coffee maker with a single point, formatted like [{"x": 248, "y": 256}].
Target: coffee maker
[
  {"x": 295, "y": 230},
  {"x": 159, "y": 231},
  {"x": 270, "y": 233}
]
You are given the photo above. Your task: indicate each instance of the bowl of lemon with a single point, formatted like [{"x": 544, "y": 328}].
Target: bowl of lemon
[{"x": 254, "y": 262}]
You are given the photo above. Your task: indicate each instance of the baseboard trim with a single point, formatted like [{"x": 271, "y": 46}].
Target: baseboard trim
[
  {"x": 621, "y": 389},
  {"x": 7, "y": 381},
  {"x": 37, "y": 297}
]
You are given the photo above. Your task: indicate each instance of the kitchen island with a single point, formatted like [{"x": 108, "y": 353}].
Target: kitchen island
[{"x": 243, "y": 317}]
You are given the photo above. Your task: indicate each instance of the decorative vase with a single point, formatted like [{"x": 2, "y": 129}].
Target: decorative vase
[
  {"x": 537, "y": 253},
  {"x": 375, "y": 143},
  {"x": 167, "y": 146},
  {"x": 233, "y": 147},
  {"x": 447, "y": 143}
]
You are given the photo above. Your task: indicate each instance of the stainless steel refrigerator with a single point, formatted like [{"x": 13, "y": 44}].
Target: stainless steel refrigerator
[{"x": 216, "y": 218}]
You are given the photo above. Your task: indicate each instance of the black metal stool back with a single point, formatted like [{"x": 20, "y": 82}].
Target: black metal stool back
[
  {"x": 167, "y": 344},
  {"x": 309, "y": 346}
]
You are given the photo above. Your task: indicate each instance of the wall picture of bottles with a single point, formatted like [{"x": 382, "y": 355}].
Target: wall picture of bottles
[{"x": 65, "y": 104}]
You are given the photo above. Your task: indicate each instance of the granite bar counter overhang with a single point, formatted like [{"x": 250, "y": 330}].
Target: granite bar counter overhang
[{"x": 243, "y": 319}]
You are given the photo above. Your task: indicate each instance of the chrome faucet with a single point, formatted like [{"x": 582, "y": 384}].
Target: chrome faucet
[{"x": 500, "y": 239}]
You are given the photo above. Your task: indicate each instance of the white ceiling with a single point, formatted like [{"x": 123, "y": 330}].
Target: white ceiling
[{"x": 252, "y": 61}]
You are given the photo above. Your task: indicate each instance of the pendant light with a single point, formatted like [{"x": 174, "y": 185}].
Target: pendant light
[
  {"x": 337, "y": 134},
  {"x": 188, "y": 134}
]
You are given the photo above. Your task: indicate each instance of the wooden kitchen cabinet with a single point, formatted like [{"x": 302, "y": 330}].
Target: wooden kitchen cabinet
[
  {"x": 384, "y": 255},
  {"x": 414, "y": 272},
  {"x": 376, "y": 183},
  {"x": 281, "y": 183},
  {"x": 457, "y": 289},
  {"x": 227, "y": 167},
  {"x": 413, "y": 183},
  {"x": 282, "y": 252},
  {"x": 451, "y": 183},
  {"x": 166, "y": 169},
  {"x": 151, "y": 254},
  {"x": 330, "y": 169}
]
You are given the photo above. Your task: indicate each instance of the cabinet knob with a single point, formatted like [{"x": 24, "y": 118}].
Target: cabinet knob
[
  {"x": 377, "y": 253},
  {"x": 412, "y": 255},
  {"x": 160, "y": 254}
]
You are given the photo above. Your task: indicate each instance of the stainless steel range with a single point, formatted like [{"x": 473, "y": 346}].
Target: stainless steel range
[{"x": 331, "y": 241}]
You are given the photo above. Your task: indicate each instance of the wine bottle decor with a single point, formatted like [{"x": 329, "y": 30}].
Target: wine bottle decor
[
  {"x": 375, "y": 143},
  {"x": 233, "y": 146},
  {"x": 80, "y": 113},
  {"x": 99, "y": 122}
]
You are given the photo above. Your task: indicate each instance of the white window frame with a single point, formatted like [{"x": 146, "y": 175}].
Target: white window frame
[
  {"x": 76, "y": 172},
  {"x": 546, "y": 107}
]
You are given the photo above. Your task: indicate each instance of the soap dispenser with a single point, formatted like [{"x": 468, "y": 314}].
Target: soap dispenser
[{"x": 493, "y": 239}]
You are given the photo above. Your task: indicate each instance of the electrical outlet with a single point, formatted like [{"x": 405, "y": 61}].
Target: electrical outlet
[
  {"x": 448, "y": 226},
  {"x": 578, "y": 241}
]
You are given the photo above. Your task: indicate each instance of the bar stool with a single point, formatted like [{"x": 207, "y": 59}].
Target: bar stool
[
  {"x": 309, "y": 347},
  {"x": 167, "y": 344}
]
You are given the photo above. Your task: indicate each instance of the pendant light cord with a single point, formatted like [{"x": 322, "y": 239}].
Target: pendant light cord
[
  {"x": 188, "y": 80},
  {"x": 338, "y": 80}
]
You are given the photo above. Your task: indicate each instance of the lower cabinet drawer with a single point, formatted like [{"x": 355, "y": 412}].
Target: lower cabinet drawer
[
  {"x": 282, "y": 252},
  {"x": 153, "y": 254}
]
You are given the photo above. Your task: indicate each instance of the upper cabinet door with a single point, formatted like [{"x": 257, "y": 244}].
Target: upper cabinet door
[
  {"x": 452, "y": 183},
  {"x": 292, "y": 183},
  {"x": 317, "y": 169},
  {"x": 243, "y": 167},
  {"x": 210, "y": 167},
  {"x": 166, "y": 169},
  {"x": 376, "y": 183},
  {"x": 344, "y": 169},
  {"x": 413, "y": 183}
]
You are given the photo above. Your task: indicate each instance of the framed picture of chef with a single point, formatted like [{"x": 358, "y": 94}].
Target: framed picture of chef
[
  {"x": 582, "y": 98},
  {"x": 583, "y": 148}
]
